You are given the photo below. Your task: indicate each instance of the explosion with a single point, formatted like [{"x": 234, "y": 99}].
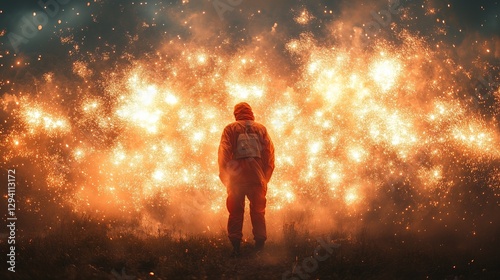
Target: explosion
[{"x": 355, "y": 129}]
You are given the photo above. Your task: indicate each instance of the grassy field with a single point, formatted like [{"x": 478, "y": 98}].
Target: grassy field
[{"x": 87, "y": 250}]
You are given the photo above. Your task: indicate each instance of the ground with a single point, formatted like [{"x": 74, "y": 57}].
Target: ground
[{"x": 86, "y": 250}]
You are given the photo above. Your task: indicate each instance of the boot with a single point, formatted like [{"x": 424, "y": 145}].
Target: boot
[
  {"x": 259, "y": 245},
  {"x": 236, "y": 248}
]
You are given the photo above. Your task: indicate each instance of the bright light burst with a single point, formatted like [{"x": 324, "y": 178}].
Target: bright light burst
[{"x": 348, "y": 126}]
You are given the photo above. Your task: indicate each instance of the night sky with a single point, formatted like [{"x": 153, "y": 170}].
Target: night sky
[{"x": 95, "y": 23}]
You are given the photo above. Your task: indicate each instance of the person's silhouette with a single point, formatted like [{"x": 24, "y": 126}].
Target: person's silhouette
[{"x": 246, "y": 164}]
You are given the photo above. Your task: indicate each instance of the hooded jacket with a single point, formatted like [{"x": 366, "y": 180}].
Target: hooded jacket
[{"x": 245, "y": 171}]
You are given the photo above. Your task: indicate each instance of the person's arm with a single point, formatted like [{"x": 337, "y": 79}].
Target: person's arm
[
  {"x": 268, "y": 156},
  {"x": 225, "y": 155}
]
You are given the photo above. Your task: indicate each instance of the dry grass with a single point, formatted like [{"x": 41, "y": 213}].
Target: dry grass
[{"x": 83, "y": 249}]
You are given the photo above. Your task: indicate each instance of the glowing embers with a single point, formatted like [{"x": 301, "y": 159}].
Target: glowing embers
[
  {"x": 304, "y": 17},
  {"x": 344, "y": 123},
  {"x": 326, "y": 72},
  {"x": 385, "y": 72},
  {"x": 281, "y": 195},
  {"x": 351, "y": 196},
  {"x": 476, "y": 137},
  {"x": 145, "y": 104},
  {"x": 39, "y": 120},
  {"x": 245, "y": 92}
]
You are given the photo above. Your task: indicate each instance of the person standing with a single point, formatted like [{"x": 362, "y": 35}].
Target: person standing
[{"x": 246, "y": 164}]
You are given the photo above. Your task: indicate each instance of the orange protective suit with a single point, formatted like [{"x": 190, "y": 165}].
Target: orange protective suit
[{"x": 246, "y": 164}]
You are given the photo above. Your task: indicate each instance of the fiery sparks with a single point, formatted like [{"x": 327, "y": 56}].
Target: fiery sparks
[{"x": 350, "y": 125}]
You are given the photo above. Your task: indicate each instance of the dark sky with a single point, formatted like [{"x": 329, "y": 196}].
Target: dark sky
[
  {"x": 80, "y": 16},
  {"x": 109, "y": 25}
]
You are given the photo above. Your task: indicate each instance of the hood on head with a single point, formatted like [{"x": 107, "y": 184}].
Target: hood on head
[{"x": 243, "y": 111}]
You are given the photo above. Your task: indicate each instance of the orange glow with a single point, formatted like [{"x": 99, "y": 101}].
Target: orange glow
[{"x": 349, "y": 123}]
